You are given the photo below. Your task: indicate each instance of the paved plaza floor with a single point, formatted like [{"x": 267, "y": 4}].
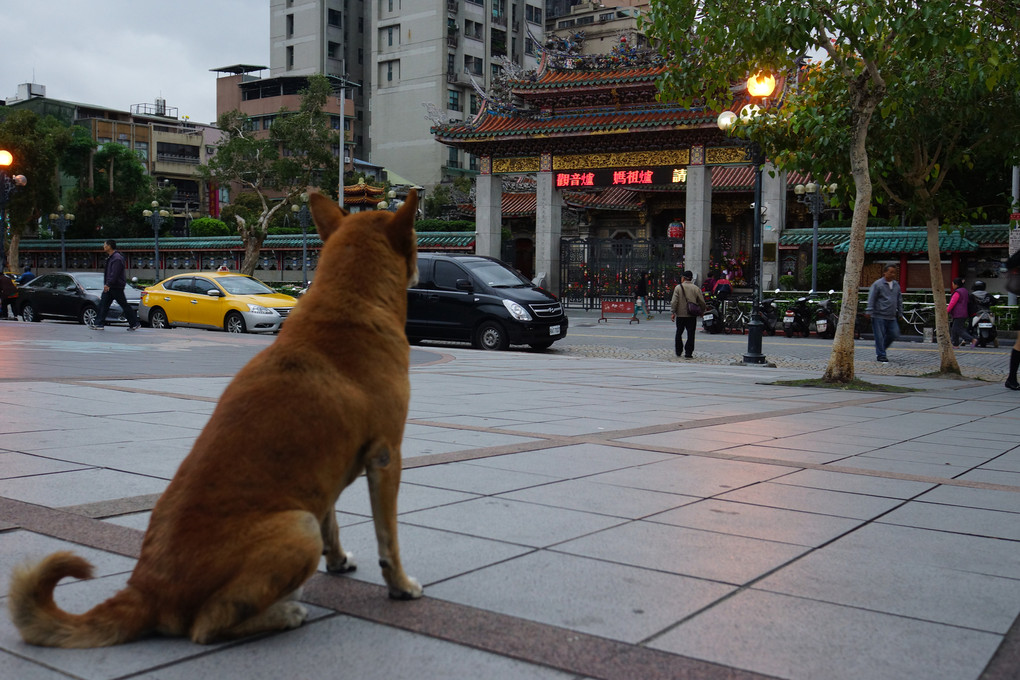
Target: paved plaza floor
[{"x": 569, "y": 516}]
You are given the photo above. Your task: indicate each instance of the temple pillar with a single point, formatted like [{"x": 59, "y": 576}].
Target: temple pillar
[
  {"x": 698, "y": 238},
  {"x": 488, "y": 211},
  {"x": 548, "y": 226},
  {"x": 773, "y": 197}
]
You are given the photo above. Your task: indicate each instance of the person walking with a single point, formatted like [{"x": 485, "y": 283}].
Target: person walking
[
  {"x": 113, "y": 289},
  {"x": 885, "y": 307},
  {"x": 687, "y": 304},
  {"x": 1014, "y": 357},
  {"x": 959, "y": 303},
  {"x": 641, "y": 297},
  {"x": 8, "y": 294}
]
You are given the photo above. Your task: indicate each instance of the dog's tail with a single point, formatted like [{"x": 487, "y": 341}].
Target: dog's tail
[{"x": 123, "y": 617}]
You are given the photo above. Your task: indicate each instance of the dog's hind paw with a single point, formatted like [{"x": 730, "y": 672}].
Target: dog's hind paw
[
  {"x": 412, "y": 591},
  {"x": 343, "y": 566}
]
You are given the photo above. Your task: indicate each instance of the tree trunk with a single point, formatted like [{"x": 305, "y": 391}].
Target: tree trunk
[
  {"x": 841, "y": 361},
  {"x": 947, "y": 357},
  {"x": 252, "y": 249},
  {"x": 13, "y": 247}
]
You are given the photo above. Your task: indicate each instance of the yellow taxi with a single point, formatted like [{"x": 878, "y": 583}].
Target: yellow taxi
[{"x": 234, "y": 302}]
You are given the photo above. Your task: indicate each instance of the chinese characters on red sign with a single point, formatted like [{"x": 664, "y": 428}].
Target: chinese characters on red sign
[
  {"x": 575, "y": 179},
  {"x": 601, "y": 178}
]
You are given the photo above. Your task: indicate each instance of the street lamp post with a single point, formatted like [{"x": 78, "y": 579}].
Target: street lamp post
[
  {"x": 62, "y": 219},
  {"x": 304, "y": 217},
  {"x": 156, "y": 216},
  {"x": 816, "y": 198},
  {"x": 760, "y": 85},
  {"x": 8, "y": 183}
]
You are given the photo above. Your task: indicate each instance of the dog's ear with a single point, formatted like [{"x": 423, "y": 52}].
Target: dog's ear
[
  {"x": 326, "y": 214},
  {"x": 400, "y": 230}
]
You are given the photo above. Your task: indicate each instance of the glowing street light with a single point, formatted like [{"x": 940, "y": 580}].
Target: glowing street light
[{"x": 759, "y": 85}]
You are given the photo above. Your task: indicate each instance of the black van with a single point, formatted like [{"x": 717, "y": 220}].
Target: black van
[{"x": 482, "y": 301}]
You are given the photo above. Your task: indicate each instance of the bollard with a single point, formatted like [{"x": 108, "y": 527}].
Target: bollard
[{"x": 929, "y": 334}]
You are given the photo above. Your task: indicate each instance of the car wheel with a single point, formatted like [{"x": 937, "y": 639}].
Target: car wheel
[
  {"x": 546, "y": 344},
  {"x": 234, "y": 323},
  {"x": 28, "y": 313},
  {"x": 491, "y": 336},
  {"x": 158, "y": 319},
  {"x": 88, "y": 316}
]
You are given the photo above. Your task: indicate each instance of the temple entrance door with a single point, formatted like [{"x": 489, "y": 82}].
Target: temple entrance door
[{"x": 524, "y": 256}]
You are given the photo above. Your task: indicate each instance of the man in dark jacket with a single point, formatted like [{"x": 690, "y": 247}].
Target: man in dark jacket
[
  {"x": 885, "y": 307},
  {"x": 1014, "y": 357},
  {"x": 113, "y": 288}
]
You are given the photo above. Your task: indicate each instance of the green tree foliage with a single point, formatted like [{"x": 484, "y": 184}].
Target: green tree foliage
[
  {"x": 209, "y": 226},
  {"x": 866, "y": 49},
  {"x": 111, "y": 204},
  {"x": 36, "y": 144},
  {"x": 296, "y": 154}
]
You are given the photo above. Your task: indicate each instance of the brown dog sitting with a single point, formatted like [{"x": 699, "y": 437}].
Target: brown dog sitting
[{"x": 246, "y": 518}]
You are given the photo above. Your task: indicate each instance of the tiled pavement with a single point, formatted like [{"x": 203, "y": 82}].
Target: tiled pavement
[{"x": 571, "y": 517}]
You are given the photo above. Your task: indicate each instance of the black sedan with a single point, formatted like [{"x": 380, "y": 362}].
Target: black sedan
[{"x": 62, "y": 295}]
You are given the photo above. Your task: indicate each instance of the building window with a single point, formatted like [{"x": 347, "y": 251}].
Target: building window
[
  {"x": 453, "y": 102},
  {"x": 453, "y": 157},
  {"x": 390, "y": 5},
  {"x": 334, "y": 18},
  {"x": 389, "y": 36},
  {"x": 361, "y": 24},
  {"x": 333, "y": 50},
  {"x": 451, "y": 63},
  {"x": 533, "y": 14},
  {"x": 473, "y": 65},
  {"x": 336, "y": 122},
  {"x": 496, "y": 71},
  {"x": 267, "y": 122},
  {"x": 361, "y": 55},
  {"x": 142, "y": 150},
  {"x": 474, "y": 104},
  {"x": 290, "y": 57},
  {"x": 103, "y": 140},
  {"x": 473, "y": 29},
  {"x": 290, "y": 25},
  {"x": 391, "y": 70}
]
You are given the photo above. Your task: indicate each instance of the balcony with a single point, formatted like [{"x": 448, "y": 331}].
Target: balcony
[
  {"x": 451, "y": 40},
  {"x": 452, "y": 6},
  {"x": 499, "y": 20}
]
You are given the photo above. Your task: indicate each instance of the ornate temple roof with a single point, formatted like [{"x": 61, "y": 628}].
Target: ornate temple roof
[
  {"x": 645, "y": 118},
  {"x": 362, "y": 194}
]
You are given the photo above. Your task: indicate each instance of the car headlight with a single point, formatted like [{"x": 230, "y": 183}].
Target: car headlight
[
  {"x": 259, "y": 309},
  {"x": 516, "y": 311}
]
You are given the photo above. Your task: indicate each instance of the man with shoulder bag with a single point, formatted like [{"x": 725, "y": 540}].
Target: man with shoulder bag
[{"x": 687, "y": 304}]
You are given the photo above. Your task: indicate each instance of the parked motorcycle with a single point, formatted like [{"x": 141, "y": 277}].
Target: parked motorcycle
[
  {"x": 769, "y": 315},
  {"x": 712, "y": 320},
  {"x": 826, "y": 317},
  {"x": 796, "y": 318},
  {"x": 982, "y": 323}
]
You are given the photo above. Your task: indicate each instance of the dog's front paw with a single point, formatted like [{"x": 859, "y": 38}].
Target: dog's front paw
[
  {"x": 294, "y": 614},
  {"x": 412, "y": 590},
  {"x": 344, "y": 565}
]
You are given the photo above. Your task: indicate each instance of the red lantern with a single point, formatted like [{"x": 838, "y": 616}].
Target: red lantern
[{"x": 676, "y": 230}]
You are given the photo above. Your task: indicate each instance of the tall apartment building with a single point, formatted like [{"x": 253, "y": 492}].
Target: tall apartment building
[
  {"x": 427, "y": 51},
  {"x": 328, "y": 37}
]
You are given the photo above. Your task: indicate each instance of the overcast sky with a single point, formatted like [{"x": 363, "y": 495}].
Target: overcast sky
[{"x": 116, "y": 53}]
